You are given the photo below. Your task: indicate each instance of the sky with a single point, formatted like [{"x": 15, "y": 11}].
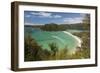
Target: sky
[{"x": 42, "y": 17}]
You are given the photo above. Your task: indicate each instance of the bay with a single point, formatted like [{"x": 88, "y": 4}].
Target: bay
[{"x": 63, "y": 39}]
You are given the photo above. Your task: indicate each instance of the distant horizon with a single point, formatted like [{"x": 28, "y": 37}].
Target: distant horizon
[
  {"x": 43, "y": 17},
  {"x": 50, "y": 23}
]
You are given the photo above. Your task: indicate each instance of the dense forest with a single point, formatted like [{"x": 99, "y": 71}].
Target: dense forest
[{"x": 61, "y": 27}]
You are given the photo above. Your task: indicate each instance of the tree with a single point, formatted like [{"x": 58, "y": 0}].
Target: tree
[
  {"x": 50, "y": 27},
  {"x": 86, "y": 21}
]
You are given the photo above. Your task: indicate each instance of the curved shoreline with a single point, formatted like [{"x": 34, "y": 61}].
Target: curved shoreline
[
  {"x": 77, "y": 38},
  {"x": 58, "y": 39}
]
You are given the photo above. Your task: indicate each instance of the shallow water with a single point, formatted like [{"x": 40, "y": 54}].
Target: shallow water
[{"x": 62, "y": 40}]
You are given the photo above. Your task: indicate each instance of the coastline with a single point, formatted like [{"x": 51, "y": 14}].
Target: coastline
[{"x": 77, "y": 38}]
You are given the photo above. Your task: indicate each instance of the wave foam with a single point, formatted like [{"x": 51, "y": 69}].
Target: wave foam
[{"x": 77, "y": 38}]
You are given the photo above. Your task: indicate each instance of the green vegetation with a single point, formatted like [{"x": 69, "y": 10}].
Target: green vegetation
[
  {"x": 35, "y": 52},
  {"x": 31, "y": 49},
  {"x": 61, "y": 27},
  {"x": 85, "y": 37}
]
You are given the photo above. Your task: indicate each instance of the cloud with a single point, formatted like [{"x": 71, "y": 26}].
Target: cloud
[
  {"x": 34, "y": 13},
  {"x": 57, "y": 16},
  {"x": 42, "y": 14},
  {"x": 73, "y": 20},
  {"x": 45, "y": 14},
  {"x": 26, "y": 23},
  {"x": 82, "y": 15},
  {"x": 27, "y": 16}
]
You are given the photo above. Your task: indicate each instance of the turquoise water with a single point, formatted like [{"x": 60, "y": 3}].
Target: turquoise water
[{"x": 62, "y": 40}]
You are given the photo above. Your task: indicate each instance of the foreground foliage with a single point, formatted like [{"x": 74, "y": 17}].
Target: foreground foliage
[{"x": 35, "y": 52}]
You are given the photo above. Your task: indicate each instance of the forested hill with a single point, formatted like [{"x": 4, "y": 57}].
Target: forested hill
[{"x": 61, "y": 27}]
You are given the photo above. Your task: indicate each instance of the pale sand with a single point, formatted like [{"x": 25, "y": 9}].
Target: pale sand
[{"x": 77, "y": 38}]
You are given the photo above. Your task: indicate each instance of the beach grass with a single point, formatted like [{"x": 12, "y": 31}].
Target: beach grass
[{"x": 34, "y": 52}]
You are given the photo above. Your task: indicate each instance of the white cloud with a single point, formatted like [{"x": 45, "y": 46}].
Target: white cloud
[
  {"x": 34, "y": 13},
  {"x": 82, "y": 15},
  {"x": 42, "y": 14},
  {"x": 57, "y": 16},
  {"x": 26, "y": 23},
  {"x": 27, "y": 16},
  {"x": 73, "y": 20},
  {"x": 46, "y": 14}
]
